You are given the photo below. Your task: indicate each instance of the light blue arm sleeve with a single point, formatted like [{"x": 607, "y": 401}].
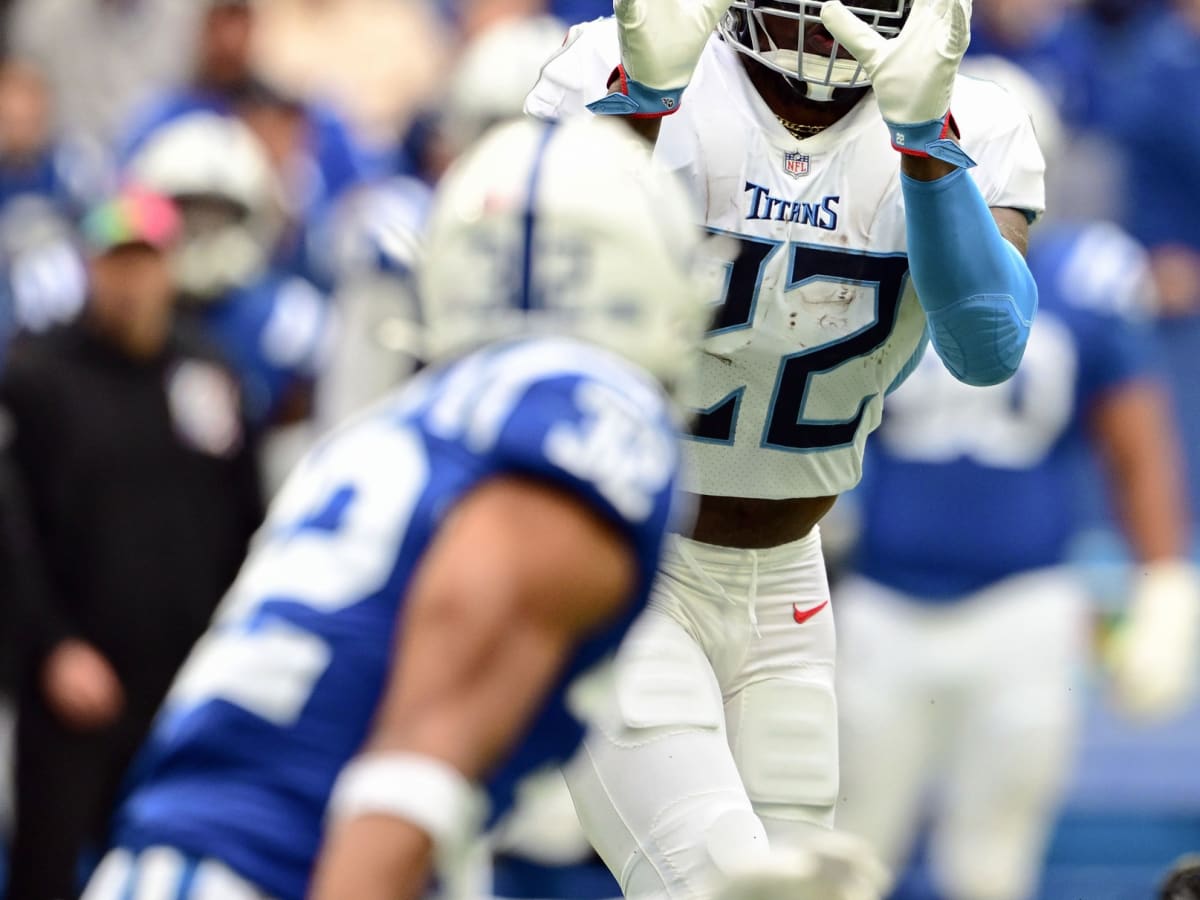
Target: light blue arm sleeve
[{"x": 978, "y": 294}]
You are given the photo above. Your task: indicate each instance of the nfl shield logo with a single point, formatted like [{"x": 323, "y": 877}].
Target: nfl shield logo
[{"x": 796, "y": 164}]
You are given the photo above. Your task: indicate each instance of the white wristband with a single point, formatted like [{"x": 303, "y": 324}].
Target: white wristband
[{"x": 426, "y": 791}]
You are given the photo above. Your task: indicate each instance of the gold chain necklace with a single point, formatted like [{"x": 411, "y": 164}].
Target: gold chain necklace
[{"x": 800, "y": 132}]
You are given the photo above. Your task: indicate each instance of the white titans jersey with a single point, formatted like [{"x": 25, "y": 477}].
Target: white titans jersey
[{"x": 819, "y": 319}]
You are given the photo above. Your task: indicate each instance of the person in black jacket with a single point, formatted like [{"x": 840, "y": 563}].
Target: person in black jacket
[{"x": 129, "y": 438}]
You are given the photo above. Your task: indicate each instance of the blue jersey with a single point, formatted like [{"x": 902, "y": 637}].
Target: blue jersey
[
  {"x": 964, "y": 486},
  {"x": 280, "y": 693},
  {"x": 273, "y": 334}
]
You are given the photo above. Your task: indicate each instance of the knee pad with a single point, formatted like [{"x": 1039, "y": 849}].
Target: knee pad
[{"x": 784, "y": 737}]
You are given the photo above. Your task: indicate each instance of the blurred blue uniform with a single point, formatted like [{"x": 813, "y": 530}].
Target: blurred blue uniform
[
  {"x": 272, "y": 334},
  {"x": 42, "y": 280},
  {"x": 336, "y": 162},
  {"x": 964, "y": 487},
  {"x": 961, "y": 635},
  {"x": 281, "y": 692},
  {"x": 340, "y": 161},
  {"x": 1143, "y": 92}
]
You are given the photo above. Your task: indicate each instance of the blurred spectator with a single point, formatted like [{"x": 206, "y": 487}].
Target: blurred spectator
[
  {"x": 474, "y": 17},
  {"x": 489, "y": 83},
  {"x": 143, "y": 492},
  {"x": 370, "y": 243},
  {"x": 42, "y": 278},
  {"x": 1162, "y": 203},
  {"x": 44, "y": 183},
  {"x": 104, "y": 58},
  {"x": 373, "y": 244},
  {"x": 312, "y": 149},
  {"x": 22, "y": 584},
  {"x": 69, "y": 173},
  {"x": 376, "y": 61},
  {"x": 269, "y": 325}
]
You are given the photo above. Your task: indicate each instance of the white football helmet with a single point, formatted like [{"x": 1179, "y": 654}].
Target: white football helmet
[
  {"x": 787, "y": 37},
  {"x": 218, "y": 173},
  {"x": 493, "y": 75},
  {"x": 565, "y": 229}
]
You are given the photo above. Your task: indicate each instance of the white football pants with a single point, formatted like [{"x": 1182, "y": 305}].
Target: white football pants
[
  {"x": 722, "y": 728},
  {"x": 981, "y": 697}
]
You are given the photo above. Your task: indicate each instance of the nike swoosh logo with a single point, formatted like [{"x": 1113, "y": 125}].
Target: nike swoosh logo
[{"x": 803, "y": 615}]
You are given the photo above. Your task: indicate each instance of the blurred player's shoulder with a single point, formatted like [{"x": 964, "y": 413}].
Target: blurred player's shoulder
[
  {"x": 987, "y": 110},
  {"x": 486, "y": 386},
  {"x": 1095, "y": 268}
]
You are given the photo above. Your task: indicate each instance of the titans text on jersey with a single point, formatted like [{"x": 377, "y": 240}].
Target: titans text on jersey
[{"x": 280, "y": 693}]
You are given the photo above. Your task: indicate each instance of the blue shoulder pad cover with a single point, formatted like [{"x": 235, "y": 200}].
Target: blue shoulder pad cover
[{"x": 978, "y": 294}]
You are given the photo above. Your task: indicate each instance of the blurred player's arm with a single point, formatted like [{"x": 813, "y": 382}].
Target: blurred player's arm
[
  {"x": 1153, "y": 657},
  {"x": 518, "y": 575},
  {"x": 1134, "y": 430},
  {"x": 978, "y": 294}
]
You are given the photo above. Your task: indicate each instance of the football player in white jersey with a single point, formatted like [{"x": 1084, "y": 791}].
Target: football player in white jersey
[{"x": 722, "y": 736}]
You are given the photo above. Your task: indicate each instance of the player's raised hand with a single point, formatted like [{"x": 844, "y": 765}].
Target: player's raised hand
[
  {"x": 912, "y": 74},
  {"x": 1153, "y": 657},
  {"x": 661, "y": 42}
]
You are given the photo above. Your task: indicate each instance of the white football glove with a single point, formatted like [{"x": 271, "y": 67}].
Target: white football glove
[
  {"x": 1153, "y": 656},
  {"x": 661, "y": 42},
  {"x": 913, "y": 73},
  {"x": 832, "y": 865}
]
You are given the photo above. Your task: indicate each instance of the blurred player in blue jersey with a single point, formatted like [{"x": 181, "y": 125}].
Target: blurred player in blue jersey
[
  {"x": 403, "y": 643},
  {"x": 270, "y": 325},
  {"x": 962, "y": 634}
]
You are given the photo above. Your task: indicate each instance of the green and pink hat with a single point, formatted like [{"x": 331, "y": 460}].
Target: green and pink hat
[{"x": 133, "y": 216}]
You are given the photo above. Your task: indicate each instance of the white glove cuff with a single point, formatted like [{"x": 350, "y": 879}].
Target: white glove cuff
[{"x": 425, "y": 791}]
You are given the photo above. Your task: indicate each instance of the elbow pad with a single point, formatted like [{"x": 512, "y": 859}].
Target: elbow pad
[{"x": 978, "y": 294}]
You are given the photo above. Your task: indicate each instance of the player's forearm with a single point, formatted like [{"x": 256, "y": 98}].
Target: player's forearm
[
  {"x": 925, "y": 168},
  {"x": 374, "y": 858},
  {"x": 978, "y": 294},
  {"x": 1148, "y": 499},
  {"x": 1142, "y": 452}
]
